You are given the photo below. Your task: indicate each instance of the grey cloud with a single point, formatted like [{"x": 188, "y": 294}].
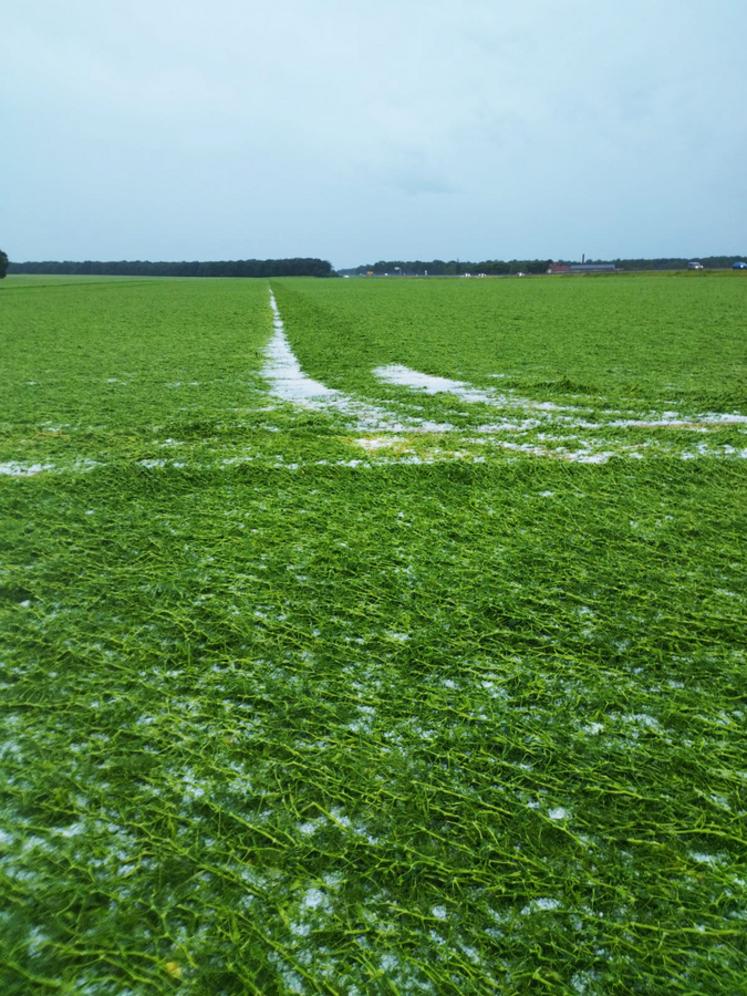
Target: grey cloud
[{"x": 185, "y": 129}]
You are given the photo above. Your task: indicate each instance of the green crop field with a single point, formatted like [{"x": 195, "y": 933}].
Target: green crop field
[{"x": 373, "y": 636}]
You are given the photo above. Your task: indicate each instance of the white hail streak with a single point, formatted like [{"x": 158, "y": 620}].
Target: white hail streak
[
  {"x": 402, "y": 376},
  {"x": 697, "y": 422},
  {"x": 284, "y": 371},
  {"x": 289, "y": 382},
  {"x": 15, "y": 469},
  {"x": 379, "y": 442}
]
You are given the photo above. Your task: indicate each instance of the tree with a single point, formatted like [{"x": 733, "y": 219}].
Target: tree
[
  {"x": 3, "y": 263},
  {"x": 211, "y": 268}
]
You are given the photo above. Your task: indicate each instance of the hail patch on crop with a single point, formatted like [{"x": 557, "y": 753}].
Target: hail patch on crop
[
  {"x": 294, "y": 706},
  {"x": 542, "y": 416},
  {"x": 18, "y": 468},
  {"x": 525, "y": 417},
  {"x": 403, "y": 376},
  {"x": 288, "y": 381},
  {"x": 546, "y": 411}
]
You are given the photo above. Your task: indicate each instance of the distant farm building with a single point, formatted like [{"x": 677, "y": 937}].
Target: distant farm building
[
  {"x": 581, "y": 268},
  {"x": 593, "y": 267}
]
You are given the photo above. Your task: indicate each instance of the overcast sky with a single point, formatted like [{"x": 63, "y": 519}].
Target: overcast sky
[{"x": 176, "y": 129}]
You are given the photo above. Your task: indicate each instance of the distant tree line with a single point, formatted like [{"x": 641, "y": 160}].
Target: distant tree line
[
  {"x": 493, "y": 267},
  {"x": 312, "y": 267},
  {"x": 673, "y": 263},
  {"x": 297, "y": 267},
  {"x": 449, "y": 268}
]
